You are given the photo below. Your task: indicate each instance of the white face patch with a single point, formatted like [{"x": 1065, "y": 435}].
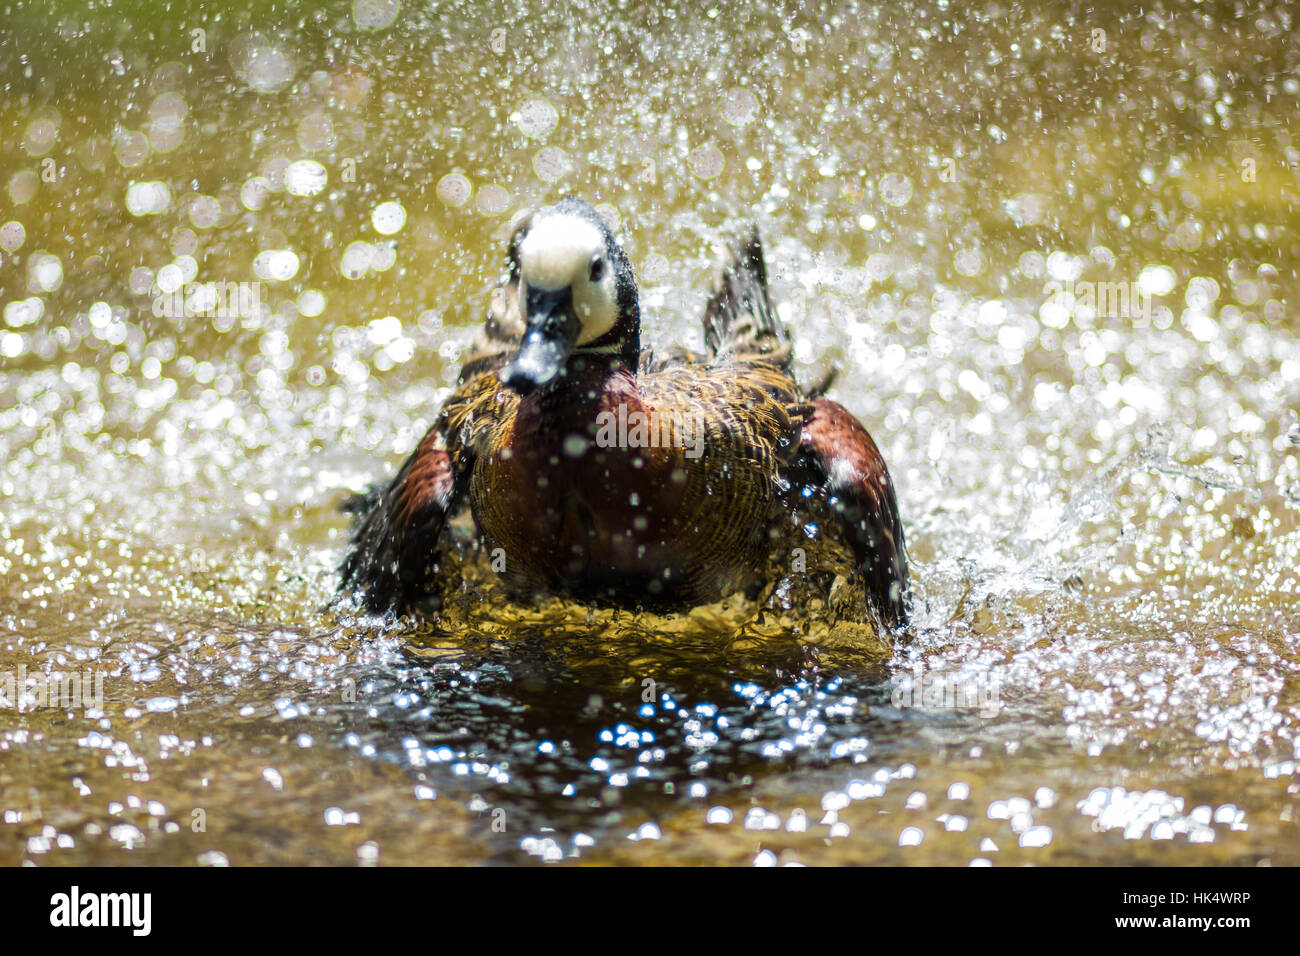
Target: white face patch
[{"x": 556, "y": 254}]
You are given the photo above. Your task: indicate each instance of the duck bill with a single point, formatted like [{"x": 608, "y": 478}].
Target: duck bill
[{"x": 551, "y": 332}]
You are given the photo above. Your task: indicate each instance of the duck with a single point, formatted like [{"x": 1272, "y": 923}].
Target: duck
[{"x": 603, "y": 472}]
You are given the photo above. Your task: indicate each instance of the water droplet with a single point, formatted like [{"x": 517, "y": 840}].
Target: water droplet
[
  {"x": 1157, "y": 280},
  {"x": 12, "y": 235},
  {"x": 375, "y": 14},
  {"x": 388, "y": 218},
  {"x": 536, "y": 118},
  {"x": 739, "y": 106},
  {"x": 895, "y": 189},
  {"x": 707, "y": 162},
  {"x": 911, "y": 836},
  {"x": 148, "y": 198},
  {"x": 305, "y": 177},
  {"x": 454, "y": 189}
]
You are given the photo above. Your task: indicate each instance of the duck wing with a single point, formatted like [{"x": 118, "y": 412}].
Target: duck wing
[
  {"x": 740, "y": 325},
  {"x": 392, "y": 556},
  {"x": 841, "y": 466},
  {"x": 394, "y": 552},
  {"x": 834, "y": 458}
]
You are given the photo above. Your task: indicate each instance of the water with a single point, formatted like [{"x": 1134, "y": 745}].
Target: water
[{"x": 1055, "y": 268}]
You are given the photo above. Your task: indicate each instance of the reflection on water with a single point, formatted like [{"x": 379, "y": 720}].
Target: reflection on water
[{"x": 1052, "y": 253}]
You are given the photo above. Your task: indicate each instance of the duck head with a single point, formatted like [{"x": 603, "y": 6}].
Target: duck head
[{"x": 576, "y": 293}]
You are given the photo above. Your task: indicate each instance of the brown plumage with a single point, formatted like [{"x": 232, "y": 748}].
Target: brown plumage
[{"x": 610, "y": 475}]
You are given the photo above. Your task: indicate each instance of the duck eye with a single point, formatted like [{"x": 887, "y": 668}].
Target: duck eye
[{"x": 597, "y": 267}]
